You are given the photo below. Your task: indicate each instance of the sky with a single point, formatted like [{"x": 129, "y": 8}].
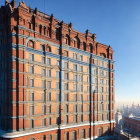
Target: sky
[{"x": 115, "y": 23}]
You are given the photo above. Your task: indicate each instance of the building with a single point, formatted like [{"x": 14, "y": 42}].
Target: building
[
  {"x": 127, "y": 127},
  {"x": 56, "y": 82}
]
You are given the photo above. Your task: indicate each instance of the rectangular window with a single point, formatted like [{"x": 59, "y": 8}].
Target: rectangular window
[
  {"x": 75, "y": 67},
  {"x": 57, "y": 97},
  {"x": 66, "y": 97},
  {"x": 74, "y": 56},
  {"x": 57, "y": 74},
  {"x": 57, "y": 85},
  {"x": 31, "y": 69},
  {"x": 57, "y": 62},
  {"x": 81, "y": 69},
  {"x": 49, "y": 96},
  {"x": 75, "y": 77},
  {"x": 80, "y": 78},
  {"x": 44, "y": 109},
  {"x": 81, "y": 88},
  {"x": 48, "y": 61},
  {"x": 81, "y": 58},
  {"x": 65, "y": 65},
  {"x": 42, "y": 48},
  {"x": 75, "y": 87},
  {"x": 57, "y": 51},
  {"x": 66, "y": 119},
  {"x": 43, "y": 60},
  {"x": 74, "y": 97},
  {"x": 31, "y": 110},
  {"x": 43, "y": 72},
  {"x": 66, "y": 76},
  {"x": 31, "y": 57},
  {"x": 49, "y": 85},
  {"x": 49, "y": 121},
  {"x": 49, "y": 73},
  {"x": 49, "y": 109},
  {"x": 43, "y": 83},
  {"x": 31, "y": 82},
  {"x": 66, "y": 87},
  {"x": 32, "y": 97},
  {"x": 65, "y": 53}
]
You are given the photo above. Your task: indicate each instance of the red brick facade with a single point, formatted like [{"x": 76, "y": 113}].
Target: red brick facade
[{"x": 45, "y": 100}]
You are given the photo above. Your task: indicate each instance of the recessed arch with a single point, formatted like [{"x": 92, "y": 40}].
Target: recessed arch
[
  {"x": 77, "y": 42},
  {"x": 30, "y": 44}
]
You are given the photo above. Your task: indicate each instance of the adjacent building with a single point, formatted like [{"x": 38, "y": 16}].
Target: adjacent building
[{"x": 56, "y": 82}]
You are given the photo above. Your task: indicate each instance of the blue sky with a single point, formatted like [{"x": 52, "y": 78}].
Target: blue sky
[{"x": 116, "y": 23}]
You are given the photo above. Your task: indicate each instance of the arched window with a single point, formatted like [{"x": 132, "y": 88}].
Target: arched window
[
  {"x": 49, "y": 32},
  {"x": 44, "y": 30},
  {"x": 40, "y": 29},
  {"x": 76, "y": 42},
  {"x": 31, "y": 139},
  {"x": 48, "y": 48},
  {"x": 91, "y": 48},
  {"x": 67, "y": 40},
  {"x": 103, "y": 55},
  {"x": 100, "y": 131},
  {"x": 29, "y": 25},
  {"x": 84, "y": 46},
  {"x": 57, "y": 34},
  {"x": 30, "y": 44},
  {"x": 49, "y": 137}
]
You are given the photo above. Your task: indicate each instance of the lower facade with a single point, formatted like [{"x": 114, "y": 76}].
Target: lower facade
[{"x": 65, "y": 132}]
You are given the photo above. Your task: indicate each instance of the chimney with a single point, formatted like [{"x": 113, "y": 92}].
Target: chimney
[{"x": 6, "y": 2}]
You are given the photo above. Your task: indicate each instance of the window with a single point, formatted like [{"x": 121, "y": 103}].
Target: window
[
  {"x": 66, "y": 119},
  {"x": 49, "y": 109},
  {"x": 84, "y": 46},
  {"x": 57, "y": 85},
  {"x": 42, "y": 48},
  {"x": 49, "y": 85},
  {"x": 81, "y": 68},
  {"x": 43, "y": 60},
  {"x": 101, "y": 63},
  {"x": 100, "y": 131},
  {"x": 107, "y": 98},
  {"x": 57, "y": 62},
  {"x": 107, "y": 106},
  {"x": 66, "y": 87},
  {"x": 75, "y": 67},
  {"x": 49, "y": 137},
  {"x": 75, "y": 118},
  {"x": 73, "y": 135},
  {"x": 66, "y": 108},
  {"x": 49, "y": 32},
  {"x": 87, "y": 88},
  {"x": 87, "y": 78},
  {"x": 82, "y": 133},
  {"x": 75, "y": 77},
  {"x": 65, "y": 65},
  {"x": 40, "y": 29},
  {"x": 66, "y": 97},
  {"x": 49, "y": 96},
  {"x": 31, "y": 82},
  {"x": 76, "y": 42},
  {"x": 43, "y": 83},
  {"x": 56, "y": 137},
  {"x": 31, "y": 110},
  {"x": 81, "y": 88},
  {"x": 57, "y": 97},
  {"x": 57, "y": 74},
  {"x": 66, "y": 76},
  {"x": 29, "y": 25},
  {"x": 102, "y": 89},
  {"x": 88, "y": 60},
  {"x": 80, "y": 78},
  {"x": 43, "y": 122},
  {"x": 65, "y": 53},
  {"x": 75, "y": 87},
  {"x": 81, "y": 58},
  {"x": 81, "y": 97},
  {"x": 48, "y": 61},
  {"x": 49, "y": 121},
  {"x": 57, "y": 34},
  {"x": 31, "y": 69},
  {"x": 43, "y": 97},
  {"x": 101, "y": 81},
  {"x": 44, "y": 30},
  {"x": 75, "y": 108},
  {"x": 88, "y": 97},
  {"x": 32, "y": 123},
  {"x": 74, "y": 56},
  {"x": 44, "y": 137},
  {"x": 49, "y": 73},
  {"x": 43, "y": 72},
  {"x": 88, "y": 108},
  {"x": 101, "y": 73},
  {"x": 57, "y": 51},
  {"x": 74, "y": 97},
  {"x": 32, "y": 97},
  {"x": 31, "y": 57},
  {"x": 66, "y": 136},
  {"x": 44, "y": 109}
]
